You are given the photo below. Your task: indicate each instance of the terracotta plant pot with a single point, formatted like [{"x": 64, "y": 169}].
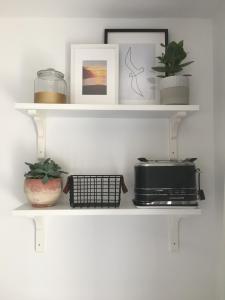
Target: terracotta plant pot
[{"x": 43, "y": 194}]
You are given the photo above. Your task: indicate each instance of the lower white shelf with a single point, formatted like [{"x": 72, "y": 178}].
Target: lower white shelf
[
  {"x": 174, "y": 216},
  {"x": 125, "y": 209}
]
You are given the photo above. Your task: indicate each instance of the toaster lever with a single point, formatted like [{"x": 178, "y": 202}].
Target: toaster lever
[
  {"x": 143, "y": 159},
  {"x": 201, "y": 195},
  {"x": 191, "y": 159}
]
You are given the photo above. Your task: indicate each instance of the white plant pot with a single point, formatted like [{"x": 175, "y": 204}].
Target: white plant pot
[{"x": 174, "y": 90}]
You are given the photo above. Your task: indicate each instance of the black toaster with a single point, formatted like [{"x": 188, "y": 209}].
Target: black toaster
[{"x": 167, "y": 183}]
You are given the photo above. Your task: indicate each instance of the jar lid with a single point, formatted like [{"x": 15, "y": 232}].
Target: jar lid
[{"x": 50, "y": 72}]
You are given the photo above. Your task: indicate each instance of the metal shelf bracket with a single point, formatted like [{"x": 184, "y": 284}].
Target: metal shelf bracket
[
  {"x": 173, "y": 233},
  {"x": 39, "y": 234},
  {"x": 39, "y": 123},
  {"x": 174, "y": 124}
]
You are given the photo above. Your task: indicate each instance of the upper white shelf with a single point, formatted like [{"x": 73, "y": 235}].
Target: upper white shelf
[
  {"x": 125, "y": 209},
  {"x": 104, "y": 111}
]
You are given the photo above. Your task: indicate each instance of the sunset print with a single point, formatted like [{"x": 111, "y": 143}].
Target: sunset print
[{"x": 94, "y": 77}]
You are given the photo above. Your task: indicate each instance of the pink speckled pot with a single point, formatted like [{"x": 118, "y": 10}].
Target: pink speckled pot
[{"x": 43, "y": 194}]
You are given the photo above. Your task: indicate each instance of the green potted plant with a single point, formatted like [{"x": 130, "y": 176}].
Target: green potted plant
[
  {"x": 174, "y": 86},
  {"x": 43, "y": 183}
]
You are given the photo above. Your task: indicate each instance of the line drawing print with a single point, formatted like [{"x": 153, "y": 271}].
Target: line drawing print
[{"x": 134, "y": 72}]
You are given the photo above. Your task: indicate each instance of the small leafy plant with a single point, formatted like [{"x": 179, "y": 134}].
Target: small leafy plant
[
  {"x": 45, "y": 170},
  {"x": 172, "y": 60}
]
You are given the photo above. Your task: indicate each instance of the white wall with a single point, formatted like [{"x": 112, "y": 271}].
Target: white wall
[
  {"x": 219, "y": 127},
  {"x": 98, "y": 258}
]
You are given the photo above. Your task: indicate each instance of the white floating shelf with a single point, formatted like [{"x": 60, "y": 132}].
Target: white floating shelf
[
  {"x": 125, "y": 209},
  {"x": 107, "y": 111}
]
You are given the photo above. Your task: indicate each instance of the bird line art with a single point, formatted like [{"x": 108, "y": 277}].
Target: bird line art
[{"x": 134, "y": 73}]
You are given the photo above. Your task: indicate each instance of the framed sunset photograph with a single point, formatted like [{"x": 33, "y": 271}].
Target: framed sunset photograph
[
  {"x": 94, "y": 74},
  {"x": 94, "y": 77}
]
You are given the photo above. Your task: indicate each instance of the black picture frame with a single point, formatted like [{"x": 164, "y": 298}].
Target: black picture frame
[
  {"x": 108, "y": 31},
  {"x": 138, "y": 48}
]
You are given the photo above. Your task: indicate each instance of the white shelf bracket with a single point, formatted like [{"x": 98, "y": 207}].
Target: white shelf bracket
[
  {"x": 39, "y": 234},
  {"x": 173, "y": 233},
  {"x": 39, "y": 122},
  {"x": 174, "y": 124}
]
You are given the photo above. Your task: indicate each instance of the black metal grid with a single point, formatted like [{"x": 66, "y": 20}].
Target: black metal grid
[{"x": 95, "y": 190}]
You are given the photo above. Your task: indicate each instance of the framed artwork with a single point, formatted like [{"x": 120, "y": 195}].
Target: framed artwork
[
  {"x": 138, "y": 49},
  {"x": 94, "y": 74}
]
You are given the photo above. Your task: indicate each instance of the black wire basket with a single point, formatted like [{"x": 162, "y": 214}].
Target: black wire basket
[{"x": 95, "y": 190}]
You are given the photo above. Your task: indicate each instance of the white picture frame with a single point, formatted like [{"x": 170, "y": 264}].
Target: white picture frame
[
  {"x": 94, "y": 74},
  {"x": 138, "y": 49}
]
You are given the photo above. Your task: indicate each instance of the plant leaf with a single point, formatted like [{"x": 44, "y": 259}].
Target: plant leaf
[
  {"x": 45, "y": 179},
  {"x": 159, "y": 69},
  {"x": 186, "y": 64}
]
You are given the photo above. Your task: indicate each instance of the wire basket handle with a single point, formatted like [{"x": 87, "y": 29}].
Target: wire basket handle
[
  {"x": 67, "y": 186},
  {"x": 123, "y": 185}
]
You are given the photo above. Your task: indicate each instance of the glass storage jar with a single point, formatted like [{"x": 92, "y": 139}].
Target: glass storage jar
[{"x": 49, "y": 87}]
